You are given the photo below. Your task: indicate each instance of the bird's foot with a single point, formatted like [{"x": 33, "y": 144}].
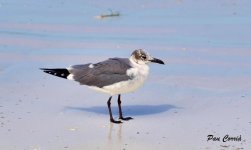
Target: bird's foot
[
  {"x": 126, "y": 118},
  {"x": 116, "y": 121}
]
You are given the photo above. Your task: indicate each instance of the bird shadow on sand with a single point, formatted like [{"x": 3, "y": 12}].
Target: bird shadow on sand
[{"x": 135, "y": 110}]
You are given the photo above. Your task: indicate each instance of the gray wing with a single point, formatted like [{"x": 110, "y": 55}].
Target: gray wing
[{"x": 103, "y": 73}]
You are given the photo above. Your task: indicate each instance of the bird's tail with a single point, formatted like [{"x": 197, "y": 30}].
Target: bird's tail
[{"x": 59, "y": 72}]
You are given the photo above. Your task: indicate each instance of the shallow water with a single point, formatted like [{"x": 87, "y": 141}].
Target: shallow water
[{"x": 204, "y": 88}]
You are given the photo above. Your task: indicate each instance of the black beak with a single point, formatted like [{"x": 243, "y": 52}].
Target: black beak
[{"x": 155, "y": 60}]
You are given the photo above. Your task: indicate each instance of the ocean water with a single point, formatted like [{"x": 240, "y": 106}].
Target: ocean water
[
  {"x": 204, "y": 40},
  {"x": 205, "y": 44}
]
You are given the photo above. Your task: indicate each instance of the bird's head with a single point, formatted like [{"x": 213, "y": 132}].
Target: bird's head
[{"x": 139, "y": 56}]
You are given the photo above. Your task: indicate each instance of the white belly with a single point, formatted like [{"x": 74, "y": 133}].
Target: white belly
[{"x": 139, "y": 74}]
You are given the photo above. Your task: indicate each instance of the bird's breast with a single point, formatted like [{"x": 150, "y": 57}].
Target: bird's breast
[{"x": 138, "y": 76}]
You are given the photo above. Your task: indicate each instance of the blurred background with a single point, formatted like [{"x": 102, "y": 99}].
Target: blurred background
[
  {"x": 197, "y": 38},
  {"x": 205, "y": 44}
]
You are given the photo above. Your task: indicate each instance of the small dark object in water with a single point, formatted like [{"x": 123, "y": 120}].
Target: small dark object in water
[{"x": 112, "y": 14}]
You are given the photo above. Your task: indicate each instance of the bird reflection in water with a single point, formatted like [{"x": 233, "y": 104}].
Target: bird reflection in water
[{"x": 115, "y": 136}]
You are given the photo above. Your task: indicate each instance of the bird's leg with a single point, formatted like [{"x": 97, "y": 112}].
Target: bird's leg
[
  {"x": 120, "y": 111},
  {"x": 110, "y": 111}
]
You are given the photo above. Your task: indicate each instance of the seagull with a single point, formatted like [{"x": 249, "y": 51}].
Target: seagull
[{"x": 114, "y": 76}]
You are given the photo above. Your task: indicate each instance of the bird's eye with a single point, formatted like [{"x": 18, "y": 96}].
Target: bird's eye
[{"x": 143, "y": 57}]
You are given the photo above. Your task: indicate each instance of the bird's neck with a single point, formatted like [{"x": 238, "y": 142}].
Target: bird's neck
[{"x": 139, "y": 69}]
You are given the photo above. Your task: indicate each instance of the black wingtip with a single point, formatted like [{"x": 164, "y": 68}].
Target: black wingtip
[
  {"x": 63, "y": 73},
  {"x": 44, "y": 69}
]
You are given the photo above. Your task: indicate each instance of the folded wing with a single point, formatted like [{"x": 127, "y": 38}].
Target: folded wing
[{"x": 101, "y": 74}]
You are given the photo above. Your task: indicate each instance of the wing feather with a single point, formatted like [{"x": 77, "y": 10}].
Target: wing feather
[{"x": 103, "y": 73}]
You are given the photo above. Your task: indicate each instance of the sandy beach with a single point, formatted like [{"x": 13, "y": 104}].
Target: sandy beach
[{"x": 204, "y": 88}]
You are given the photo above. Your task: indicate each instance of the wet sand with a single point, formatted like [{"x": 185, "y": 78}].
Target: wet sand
[{"x": 203, "y": 90}]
